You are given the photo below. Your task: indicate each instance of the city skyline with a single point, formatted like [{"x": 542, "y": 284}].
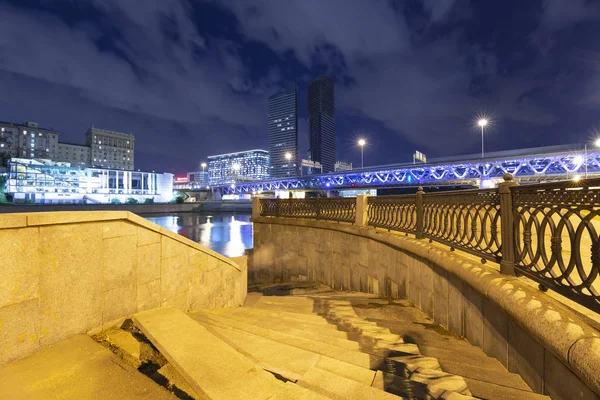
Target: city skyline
[{"x": 191, "y": 79}]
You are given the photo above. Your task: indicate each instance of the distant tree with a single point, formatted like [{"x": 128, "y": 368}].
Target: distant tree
[
  {"x": 179, "y": 199},
  {"x": 4, "y": 159},
  {"x": 131, "y": 200},
  {"x": 115, "y": 201},
  {"x": 3, "y": 198},
  {"x": 149, "y": 200}
]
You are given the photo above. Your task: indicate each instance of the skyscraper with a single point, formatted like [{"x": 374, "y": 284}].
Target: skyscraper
[
  {"x": 283, "y": 132},
  {"x": 321, "y": 121}
]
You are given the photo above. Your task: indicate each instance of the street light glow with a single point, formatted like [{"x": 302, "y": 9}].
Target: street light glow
[
  {"x": 597, "y": 142},
  {"x": 362, "y": 142},
  {"x": 288, "y": 156},
  {"x": 576, "y": 178},
  {"x": 578, "y": 160},
  {"x": 482, "y": 122},
  {"x": 203, "y": 165},
  {"x": 236, "y": 167}
]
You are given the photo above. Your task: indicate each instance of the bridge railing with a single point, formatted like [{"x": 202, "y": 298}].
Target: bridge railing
[{"x": 547, "y": 232}]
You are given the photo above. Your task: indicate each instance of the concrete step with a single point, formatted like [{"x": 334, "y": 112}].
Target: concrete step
[
  {"x": 321, "y": 326},
  {"x": 490, "y": 391},
  {"x": 210, "y": 366},
  {"x": 337, "y": 388},
  {"x": 76, "y": 368},
  {"x": 350, "y": 356},
  {"x": 295, "y": 329},
  {"x": 483, "y": 374},
  {"x": 295, "y": 392},
  {"x": 288, "y": 361}
]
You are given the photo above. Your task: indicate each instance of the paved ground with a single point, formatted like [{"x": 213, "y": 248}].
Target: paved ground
[{"x": 77, "y": 368}]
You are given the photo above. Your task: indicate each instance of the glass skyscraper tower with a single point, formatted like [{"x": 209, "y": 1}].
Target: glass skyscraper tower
[
  {"x": 321, "y": 120},
  {"x": 283, "y": 132}
]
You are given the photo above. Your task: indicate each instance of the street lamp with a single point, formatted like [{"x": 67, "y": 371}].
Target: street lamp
[
  {"x": 597, "y": 144},
  {"x": 361, "y": 143},
  {"x": 203, "y": 165},
  {"x": 288, "y": 157},
  {"x": 482, "y": 123}
]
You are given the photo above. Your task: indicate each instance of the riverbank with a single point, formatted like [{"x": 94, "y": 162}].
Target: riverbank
[{"x": 210, "y": 206}]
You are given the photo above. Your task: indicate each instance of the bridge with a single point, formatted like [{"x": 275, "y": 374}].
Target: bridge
[{"x": 534, "y": 164}]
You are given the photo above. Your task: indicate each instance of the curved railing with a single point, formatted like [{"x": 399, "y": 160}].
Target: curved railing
[
  {"x": 469, "y": 220},
  {"x": 547, "y": 232},
  {"x": 398, "y": 213},
  {"x": 333, "y": 209},
  {"x": 557, "y": 229}
]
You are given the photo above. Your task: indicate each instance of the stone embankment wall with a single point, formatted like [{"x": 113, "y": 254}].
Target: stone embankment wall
[
  {"x": 532, "y": 334},
  {"x": 65, "y": 273},
  {"x": 209, "y": 206}
]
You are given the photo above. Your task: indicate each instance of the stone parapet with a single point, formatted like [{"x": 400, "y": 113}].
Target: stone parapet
[
  {"x": 66, "y": 273},
  {"x": 547, "y": 343}
]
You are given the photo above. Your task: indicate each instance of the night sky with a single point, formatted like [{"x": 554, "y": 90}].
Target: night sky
[{"x": 190, "y": 78}]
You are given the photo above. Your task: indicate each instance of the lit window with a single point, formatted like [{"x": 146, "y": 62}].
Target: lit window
[
  {"x": 100, "y": 147},
  {"x": 39, "y": 134},
  {"x": 1, "y": 144}
]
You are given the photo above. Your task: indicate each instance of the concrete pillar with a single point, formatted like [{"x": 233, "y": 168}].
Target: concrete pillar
[
  {"x": 507, "y": 265},
  {"x": 362, "y": 210},
  {"x": 255, "y": 207}
]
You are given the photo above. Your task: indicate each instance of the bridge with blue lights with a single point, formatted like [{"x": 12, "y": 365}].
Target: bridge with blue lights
[{"x": 537, "y": 164}]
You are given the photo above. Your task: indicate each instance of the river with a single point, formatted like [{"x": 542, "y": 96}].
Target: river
[{"x": 228, "y": 234}]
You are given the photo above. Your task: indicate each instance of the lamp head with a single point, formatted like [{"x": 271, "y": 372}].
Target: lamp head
[
  {"x": 482, "y": 122},
  {"x": 362, "y": 142}
]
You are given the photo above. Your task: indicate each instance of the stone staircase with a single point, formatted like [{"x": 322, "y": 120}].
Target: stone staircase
[{"x": 312, "y": 343}]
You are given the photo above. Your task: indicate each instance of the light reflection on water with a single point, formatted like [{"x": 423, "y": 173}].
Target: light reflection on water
[{"x": 228, "y": 234}]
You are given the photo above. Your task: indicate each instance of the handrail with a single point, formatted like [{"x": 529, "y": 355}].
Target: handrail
[{"x": 548, "y": 232}]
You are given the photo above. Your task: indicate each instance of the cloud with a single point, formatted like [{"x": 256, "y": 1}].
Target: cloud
[
  {"x": 438, "y": 9},
  {"x": 559, "y": 13}
]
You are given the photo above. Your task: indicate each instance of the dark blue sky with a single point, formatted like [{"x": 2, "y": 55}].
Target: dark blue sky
[{"x": 190, "y": 78}]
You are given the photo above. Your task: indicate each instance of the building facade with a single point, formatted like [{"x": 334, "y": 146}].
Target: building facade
[
  {"x": 109, "y": 149},
  {"x": 197, "y": 180},
  {"x": 28, "y": 141},
  {"x": 243, "y": 166},
  {"x": 283, "y": 132},
  {"x": 48, "y": 182},
  {"x": 343, "y": 166},
  {"x": 321, "y": 122},
  {"x": 74, "y": 154}
]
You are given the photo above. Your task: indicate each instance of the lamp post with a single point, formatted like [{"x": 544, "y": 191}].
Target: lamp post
[
  {"x": 585, "y": 159},
  {"x": 482, "y": 123},
  {"x": 288, "y": 157},
  {"x": 361, "y": 143},
  {"x": 203, "y": 165},
  {"x": 236, "y": 168}
]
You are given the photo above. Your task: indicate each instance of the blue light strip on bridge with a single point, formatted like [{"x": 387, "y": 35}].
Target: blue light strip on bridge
[{"x": 539, "y": 166}]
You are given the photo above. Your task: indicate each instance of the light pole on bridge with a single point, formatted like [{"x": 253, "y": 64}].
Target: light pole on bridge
[
  {"x": 361, "y": 143},
  {"x": 482, "y": 123}
]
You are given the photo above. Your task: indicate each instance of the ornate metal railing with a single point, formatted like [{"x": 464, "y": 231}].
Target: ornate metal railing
[
  {"x": 549, "y": 232},
  {"x": 557, "y": 244},
  {"x": 398, "y": 213},
  {"x": 469, "y": 220},
  {"x": 332, "y": 209}
]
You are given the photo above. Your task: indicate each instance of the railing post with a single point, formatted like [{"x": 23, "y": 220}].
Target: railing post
[
  {"x": 255, "y": 207},
  {"x": 362, "y": 210},
  {"x": 318, "y": 207},
  {"x": 507, "y": 220},
  {"x": 277, "y": 207},
  {"x": 419, "y": 209}
]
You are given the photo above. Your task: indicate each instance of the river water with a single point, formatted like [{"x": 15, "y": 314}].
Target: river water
[{"x": 228, "y": 234}]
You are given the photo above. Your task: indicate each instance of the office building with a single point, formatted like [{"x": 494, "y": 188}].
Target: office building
[
  {"x": 283, "y": 132},
  {"x": 342, "y": 166},
  {"x": 109, "y": 149},
  {"x": 321, "y": 122},
  {"x": 75, "y": 154},
  {"x": 48, "y": 182},
  {"x": 243, "y": 166},
  {"x": 28, "y": 141},
  {"x": 197, "y": 180}
]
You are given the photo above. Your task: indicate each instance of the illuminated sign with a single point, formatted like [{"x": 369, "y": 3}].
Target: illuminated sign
[
  {"x": 181, "y": 179},
  {"x": 418, "y": 156}
]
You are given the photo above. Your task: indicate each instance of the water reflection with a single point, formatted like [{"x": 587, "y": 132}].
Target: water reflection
[{"x": 228, "y": 234}]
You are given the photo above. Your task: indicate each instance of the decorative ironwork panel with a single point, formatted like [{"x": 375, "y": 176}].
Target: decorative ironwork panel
[
  {"x": 556, "y": 237},
  {"x": 468, "y": 220},
  {"x": 268, "y": 207},
  {"x": 396, "y": 213},
  {"x": 331, "y": 209}
]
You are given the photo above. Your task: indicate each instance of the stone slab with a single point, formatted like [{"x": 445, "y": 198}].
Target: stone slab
[
  {"x": 210, "y": 366},
  {"x": 338, "y": 388},
  {"x": 76, "y": 368}
]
